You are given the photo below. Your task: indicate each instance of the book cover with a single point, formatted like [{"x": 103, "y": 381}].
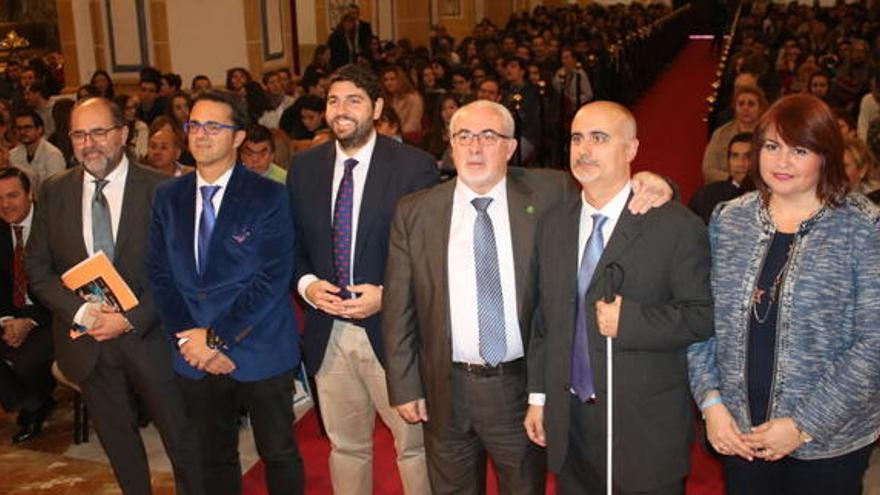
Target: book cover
[{"x": 96, "y": 280}]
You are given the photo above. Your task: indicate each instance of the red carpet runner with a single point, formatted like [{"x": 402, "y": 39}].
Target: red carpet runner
[{"x": 672, "y": 136}]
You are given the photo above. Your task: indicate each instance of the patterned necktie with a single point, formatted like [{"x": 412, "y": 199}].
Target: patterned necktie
[
  {"x": 581, "y": 368},
  {"x": 342, "y": 218},
  {"x": 206, "y": 223},
  {"x": 490, "y": 299},
  {"x": 102, "y": 227},
  {"x": 19, "y": 294}
]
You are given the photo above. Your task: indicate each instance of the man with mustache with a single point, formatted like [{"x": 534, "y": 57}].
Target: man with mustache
[
  {"x": 104, "y": 205},
  {"x": 461, "y": 293},
  {"x": 343, "y": 194},
  {"x": 657, "y": 266}
]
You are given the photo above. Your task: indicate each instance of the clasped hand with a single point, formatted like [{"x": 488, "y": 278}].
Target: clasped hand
[{"x": 196, "y": 353}]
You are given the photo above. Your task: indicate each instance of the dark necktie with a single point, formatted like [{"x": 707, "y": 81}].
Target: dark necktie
[
  {"x": 490, "y": 299},
  {"x": 102, "y": 226},
  {"x": 19, "y": 295},
  {"x": 342, "y": 218},
  {"x": 206, "y": 223},
  {"x": 581, "y": 368}
]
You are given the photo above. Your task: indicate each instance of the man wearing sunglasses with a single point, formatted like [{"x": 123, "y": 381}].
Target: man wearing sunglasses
[
  {"x": 104, "y": 205},
  {"x": 220, "y": 262}
]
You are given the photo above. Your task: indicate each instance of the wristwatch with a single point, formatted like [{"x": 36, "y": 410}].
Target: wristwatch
[
  {"x": 805, "y": 437},
  {"x": 213, "y": 341}
]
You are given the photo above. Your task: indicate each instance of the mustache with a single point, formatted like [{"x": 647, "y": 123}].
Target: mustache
[
  {"x": 582, "y": 160},
  {"x": 339, "y": 118}
]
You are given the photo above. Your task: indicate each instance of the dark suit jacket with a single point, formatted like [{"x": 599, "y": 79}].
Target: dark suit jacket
[
  {"x": 416, "y": 319},
  {"x": 706, "y": 198},
  {"x": 56, "y": 244},
  {"x": 35, "y": 311},
  {"x": 667, "y": 305},
  {"x": 340, "y": 52},
  {"x": 395, "y": 170},
  {"x": 242, "y": 291}
]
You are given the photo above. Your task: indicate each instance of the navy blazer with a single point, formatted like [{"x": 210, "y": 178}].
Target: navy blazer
[
  {"x": 242, "y": 292},
  {"x": 395, "y": 170}
]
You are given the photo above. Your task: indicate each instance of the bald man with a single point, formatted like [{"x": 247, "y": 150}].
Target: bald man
[{"x": 658, "y": 268}]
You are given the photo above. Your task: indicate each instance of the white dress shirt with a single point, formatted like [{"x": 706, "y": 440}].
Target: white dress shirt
[
  {"x": 612, "y": 211},
  {"x": 114, "y": 192},
  {"x": 359, "y": 175},
  {"x": 462, "y": 274},
  {"x": 216, "y": 200}
]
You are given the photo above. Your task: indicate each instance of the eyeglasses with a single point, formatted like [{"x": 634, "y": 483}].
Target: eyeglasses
[
  {"x": 98, "y": 134},
  {"x": 210, "y": 127},
  {"x": 485, "y": 138}
]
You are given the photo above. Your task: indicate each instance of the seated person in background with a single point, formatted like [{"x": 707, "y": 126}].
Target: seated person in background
[
  {"x": 258, "y": 151},
  {"x": 165, "y": 147},
  {"x": 739, "y": 153},
  {"x": 26, "y": 355},
  {"x": 860, "y": 165},
  {"x": 388, "y": 124},
  {"x": 748, "y": 105},
  {"x": 34, "y": 153},
  {"x": 304, "y": 123}
]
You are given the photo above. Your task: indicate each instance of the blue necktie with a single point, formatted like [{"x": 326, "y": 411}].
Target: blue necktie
[
  {"x": 102, "y": 227},
  {"x": 490, "y": 300},
  {"x": 581, "y": 368},
  {"x": 206, "y": 224},
  {"x": 342, "y": 218}
]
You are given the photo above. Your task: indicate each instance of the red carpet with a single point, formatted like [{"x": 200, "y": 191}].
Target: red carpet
[{"x": 672, "y": 136}]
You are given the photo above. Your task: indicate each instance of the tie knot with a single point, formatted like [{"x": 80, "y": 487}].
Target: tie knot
[
  {"x": 99, "y": 185},
  {"x": 598, "y": 221},
  {"x": 208, "y": 192},
  {"x": 481, "y": 204},
  {"x": 350, "y": 164}
]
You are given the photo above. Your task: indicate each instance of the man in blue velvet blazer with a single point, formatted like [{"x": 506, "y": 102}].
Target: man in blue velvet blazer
[{"x": 220, "y": 263}]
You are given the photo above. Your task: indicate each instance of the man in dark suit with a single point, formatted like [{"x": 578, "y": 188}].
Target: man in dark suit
[
  {"x": 26, "y": 381},
  {"x": 661, "y": 261},
  {"x": 343, "y": 194},
  {"x": 104, "y": 205},
  {"x": 459, "y": 296},
  {"x": 343, "y": 42},
  {"x": 362, "y": 28},
  {"x": 221, "y": 258},
  {"x": 707, "y": 197}
]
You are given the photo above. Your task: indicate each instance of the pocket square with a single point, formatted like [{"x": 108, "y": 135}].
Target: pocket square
[{"x": 241, "y": 236}]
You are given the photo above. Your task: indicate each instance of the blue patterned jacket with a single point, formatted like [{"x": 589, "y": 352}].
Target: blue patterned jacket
[{"x": 827, "y": 365}]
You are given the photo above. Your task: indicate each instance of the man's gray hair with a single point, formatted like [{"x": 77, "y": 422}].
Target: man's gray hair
[{"x": 508, "y": 128}]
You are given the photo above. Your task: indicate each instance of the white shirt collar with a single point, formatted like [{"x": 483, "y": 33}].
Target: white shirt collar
[
  {"x": 28, "y": 219},
  {"x": 362, "y": 156},
  {"x": 118, "y": 173},
  {"x": 221, "y": 181},
  {"x": 613, "y": 208},
  {"x": 465, "y": 194}
]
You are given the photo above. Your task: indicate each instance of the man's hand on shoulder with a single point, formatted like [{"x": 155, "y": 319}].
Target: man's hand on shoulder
[{"x": 649, "y": 191}]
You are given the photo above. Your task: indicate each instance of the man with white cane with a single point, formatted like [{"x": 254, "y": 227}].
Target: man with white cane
[{"x": 659, "y": 302}]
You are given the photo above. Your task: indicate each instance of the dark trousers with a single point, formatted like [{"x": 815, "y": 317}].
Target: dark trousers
[
  {"x": 487, "y": 417},
  {"x": 840, "y": 475},
  {"x": 583, "y": 471},
  {"x": 214, "y": 402},
  {"x": 143, "y": 365},
  {"x": 26, "y": 373}
]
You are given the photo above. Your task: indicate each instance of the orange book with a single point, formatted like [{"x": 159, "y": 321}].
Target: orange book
[{"x": 96, "y": 280}]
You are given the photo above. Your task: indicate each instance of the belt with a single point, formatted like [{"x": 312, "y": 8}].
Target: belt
[{"x": 516, "y": 366}]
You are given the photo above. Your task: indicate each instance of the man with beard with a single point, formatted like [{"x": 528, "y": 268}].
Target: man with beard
[
  {"x": 343, "y": 195},
  {"x": 34, "y": 153},
  {"x": 104, "y": 205}
]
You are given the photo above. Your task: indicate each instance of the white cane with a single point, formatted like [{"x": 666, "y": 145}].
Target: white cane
[{"x": 610, "y": 284}]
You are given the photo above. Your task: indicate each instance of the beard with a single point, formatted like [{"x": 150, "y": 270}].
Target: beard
[
  {"x": 102, "y": 164},
  {"x": 355, "y": 138}
]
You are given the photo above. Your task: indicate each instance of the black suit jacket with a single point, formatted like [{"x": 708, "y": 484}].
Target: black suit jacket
[
  {"x": 667, "y": 305},
  {"x": 395, "y": 170},
  {"x": 35, "y": 311},
  {"x": 416, "y": 319},
  {"x": 56, "y": 244}
]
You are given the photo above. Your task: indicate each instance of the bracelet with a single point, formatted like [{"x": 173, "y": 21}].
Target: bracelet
[{"x": 711, "y": 402}]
